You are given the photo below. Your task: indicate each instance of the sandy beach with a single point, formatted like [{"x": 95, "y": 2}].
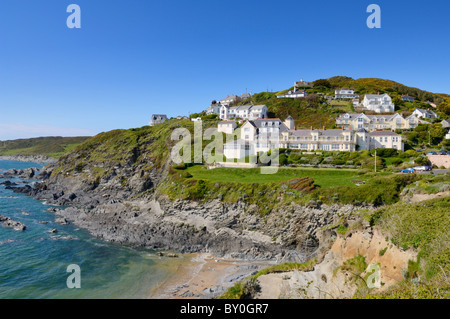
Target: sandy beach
[{"x": 205, "y": 276}]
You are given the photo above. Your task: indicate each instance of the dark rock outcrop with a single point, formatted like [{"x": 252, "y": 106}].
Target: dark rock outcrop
[{"x": 8, "y": 222}]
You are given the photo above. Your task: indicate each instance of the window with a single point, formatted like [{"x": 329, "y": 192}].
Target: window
[
  {"x": 335, "y": 146},
  {"x": 247, "y": 129},
  {"x": 385, "y": 139},
  {"x": 304, "y": 146},
  {"x": 247, "y": 137}
]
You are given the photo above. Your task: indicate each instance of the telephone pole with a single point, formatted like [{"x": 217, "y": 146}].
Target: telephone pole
[{"x": 375, "y": 158}]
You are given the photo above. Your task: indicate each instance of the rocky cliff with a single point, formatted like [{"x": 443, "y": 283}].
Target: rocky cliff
[{"x": 110, "y": 184}]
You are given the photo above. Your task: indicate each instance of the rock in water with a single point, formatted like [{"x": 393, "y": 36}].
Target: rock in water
[
  {"x": 8, "y": 222},
  {"x": 62, "y": 221}
]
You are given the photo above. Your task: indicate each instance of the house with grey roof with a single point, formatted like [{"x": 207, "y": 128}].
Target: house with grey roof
[
  {"x": 445, "y": 124},
  {"x": 425, "y": 113},
  {"x": 157, "y": 119},
  {"x": 264, "y": 134},
  {"x": 385, "y": 139}
]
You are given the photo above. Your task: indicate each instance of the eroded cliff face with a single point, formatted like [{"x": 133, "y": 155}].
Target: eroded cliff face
[
  {"x": 224, "y": 229},
  {"x": 380, "y": 264}
]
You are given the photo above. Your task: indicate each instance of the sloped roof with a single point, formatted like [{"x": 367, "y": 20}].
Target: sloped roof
[{"x": 258, "y": 124}]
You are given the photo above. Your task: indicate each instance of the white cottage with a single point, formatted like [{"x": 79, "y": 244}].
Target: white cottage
[{"x": 379, "y": 103}]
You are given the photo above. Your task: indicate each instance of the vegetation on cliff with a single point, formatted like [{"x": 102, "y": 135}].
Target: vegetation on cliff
[
  {"x": 425, "y": 227},
  {"x": 47, "y": 146}
]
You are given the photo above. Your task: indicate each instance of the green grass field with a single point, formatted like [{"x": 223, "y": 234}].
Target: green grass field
[
  {"x": 323, "y": 177},
  {"x": 48, "y": 146}
]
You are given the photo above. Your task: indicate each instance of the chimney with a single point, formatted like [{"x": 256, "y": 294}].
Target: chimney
[
  {"x": 323, "y": 128},
  {"x": 311, "y": 128},
  {"x": 350, "y": 127}
]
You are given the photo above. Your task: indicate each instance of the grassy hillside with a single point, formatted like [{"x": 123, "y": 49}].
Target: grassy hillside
[
  {"x": 315, "y": 111},
  {"x": 373, "y": 85},
  {"x": 48, "y": 146}
]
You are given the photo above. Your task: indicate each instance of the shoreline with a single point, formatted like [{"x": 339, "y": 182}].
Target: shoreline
[
  {"x": 204, "y": 276},
  {"x": 38, "y": 159}
]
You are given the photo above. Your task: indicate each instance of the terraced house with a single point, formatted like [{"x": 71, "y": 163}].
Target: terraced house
[
  {"x": 264, "y": 134},
  {"x": 378, "y": 122},
  {"x": 319, "y": 140}
]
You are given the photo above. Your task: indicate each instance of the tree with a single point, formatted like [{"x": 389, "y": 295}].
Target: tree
[
  {"x": 444, "y": 107},
  {"x": 322, "y": 82}
]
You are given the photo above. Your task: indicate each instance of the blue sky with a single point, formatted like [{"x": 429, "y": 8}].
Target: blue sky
[{"x": 134, "y": 58}]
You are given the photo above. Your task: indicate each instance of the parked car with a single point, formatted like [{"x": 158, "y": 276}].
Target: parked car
[
  {"x": 408, "y": 170},
  {"x": 422, "y": 168},
  {"x": 442, "y": 153},
  {"x": 432, "y": 153}
]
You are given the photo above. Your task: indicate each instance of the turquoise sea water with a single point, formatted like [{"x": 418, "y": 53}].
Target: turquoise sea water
[{"x": 33, "y": 263}]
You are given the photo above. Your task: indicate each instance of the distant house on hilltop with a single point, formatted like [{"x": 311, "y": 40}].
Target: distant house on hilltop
[
  {"x": 157, "y": 119},
  {"x": 230, "y": 99},
  {"x": 302, "y": 83},
  {"x": 245, "y": 96},
  {"x": 407, "y": 98}
]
